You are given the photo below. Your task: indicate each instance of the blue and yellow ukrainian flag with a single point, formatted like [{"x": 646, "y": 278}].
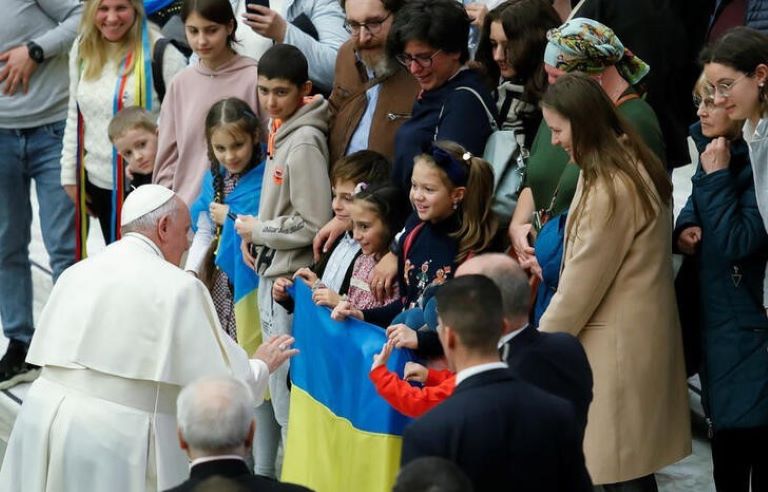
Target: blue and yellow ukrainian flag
[
  {"x": 342, "y": 436},
  {"x": 243, "y": 200}
]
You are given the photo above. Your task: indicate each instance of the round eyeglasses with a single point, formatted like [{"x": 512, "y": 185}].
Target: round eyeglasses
[
  {"x": 724, "y": 88},
  {"x": 373, "y": 27},
  {"x": 424, "y": 61},
  {"x": 707, "y": 101}
]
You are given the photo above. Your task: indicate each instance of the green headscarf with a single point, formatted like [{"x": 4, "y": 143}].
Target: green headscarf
[{"x": 587, "y": 46}]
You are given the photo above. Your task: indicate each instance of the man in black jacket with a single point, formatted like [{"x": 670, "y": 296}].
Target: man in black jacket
[
  {"x": 216, "y": 426},
  {"x": 497, "y": 428},
  {"x": 554, "y": 362}
]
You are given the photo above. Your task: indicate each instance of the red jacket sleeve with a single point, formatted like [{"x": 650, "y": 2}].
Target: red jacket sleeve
[
  {"x": 409, "y": 400},
  {"x": 435, "y": 377}
]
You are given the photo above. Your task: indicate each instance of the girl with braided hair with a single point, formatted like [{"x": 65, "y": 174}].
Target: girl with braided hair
[{"x": 232, "y": 187}]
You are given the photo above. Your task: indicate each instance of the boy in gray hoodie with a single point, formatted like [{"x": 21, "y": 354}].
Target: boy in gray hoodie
[{"x": 295, "y": 203}]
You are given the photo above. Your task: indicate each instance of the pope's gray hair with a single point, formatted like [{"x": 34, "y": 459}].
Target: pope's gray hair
[
  {"x": 148, "y": 221},
  {"x": 214, "y": 414}
]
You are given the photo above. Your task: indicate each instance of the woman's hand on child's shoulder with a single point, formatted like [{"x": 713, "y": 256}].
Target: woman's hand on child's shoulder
[
  {"x": 382, "y": 277},
  {"x": 279, "y": 288}
]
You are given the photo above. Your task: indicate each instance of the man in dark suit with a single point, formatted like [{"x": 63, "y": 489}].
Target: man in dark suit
[
  {"x": 555, "y": 362},
  {"x": 216, "y": 427},
  {"x": 500, "y": 430}
]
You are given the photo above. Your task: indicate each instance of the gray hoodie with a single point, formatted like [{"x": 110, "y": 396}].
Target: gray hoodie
[{"x": 296, "y": 194}]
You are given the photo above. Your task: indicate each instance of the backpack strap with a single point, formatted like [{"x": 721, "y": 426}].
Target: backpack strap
[
  {"x": 157, "y": 66},
  {"x": 408, "y": 242},
  {"x": 491, "y": 119}
]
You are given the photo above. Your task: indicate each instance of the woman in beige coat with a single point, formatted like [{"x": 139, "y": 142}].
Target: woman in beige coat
[{"x": 616, "y": 290}]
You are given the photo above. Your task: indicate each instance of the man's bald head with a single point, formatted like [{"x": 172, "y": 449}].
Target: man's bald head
[{"x": 508, "y": 276}]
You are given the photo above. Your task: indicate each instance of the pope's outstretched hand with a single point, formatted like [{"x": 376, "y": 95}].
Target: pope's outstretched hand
[{"x": 275, "y": 351}]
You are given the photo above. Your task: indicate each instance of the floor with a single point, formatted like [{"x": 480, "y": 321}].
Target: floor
[{"x": 693, "y": 474}]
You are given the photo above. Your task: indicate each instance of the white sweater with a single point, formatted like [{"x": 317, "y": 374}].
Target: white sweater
[
  {"x": 757, "y": 140},
  {"x": 95, "y": 98}
]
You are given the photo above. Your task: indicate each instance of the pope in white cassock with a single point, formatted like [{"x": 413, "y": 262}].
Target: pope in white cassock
[{"x": 121, "y": 334}]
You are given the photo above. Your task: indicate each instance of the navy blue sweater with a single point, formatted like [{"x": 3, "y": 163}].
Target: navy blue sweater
[
  {"x": 464, "y": 121},
  {"x": 431, "y": 261}
]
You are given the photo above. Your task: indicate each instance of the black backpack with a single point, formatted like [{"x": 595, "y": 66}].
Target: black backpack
[{"x": 173, "y": 33}]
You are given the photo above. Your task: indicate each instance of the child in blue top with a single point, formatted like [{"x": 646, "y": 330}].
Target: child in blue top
[{"x": 233, "y": 186}]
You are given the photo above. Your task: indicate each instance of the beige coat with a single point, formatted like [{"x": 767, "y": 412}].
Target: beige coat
[{"x": 616, "y": 295}]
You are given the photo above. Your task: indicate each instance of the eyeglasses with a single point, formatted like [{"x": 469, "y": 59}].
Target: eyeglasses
[
  {"x": 725, "y": 88},
  {"x": 424, "y": 61},
  {"x": 708, "y": 101},
  {"x": 373, "y": 27}
]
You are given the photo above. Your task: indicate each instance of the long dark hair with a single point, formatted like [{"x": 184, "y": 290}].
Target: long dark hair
[
  {"x": 604, "y": 145},
  {"x": 525, "y": 24},
  {"x": 235, "y": 116}
]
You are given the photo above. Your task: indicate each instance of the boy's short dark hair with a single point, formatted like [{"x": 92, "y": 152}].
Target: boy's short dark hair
[
  {"x": 284, "y": 61},
  {"x": 363, "y": 166},
  {"x": 130, "y": 118},
  {"x": 471, "y": 305}
]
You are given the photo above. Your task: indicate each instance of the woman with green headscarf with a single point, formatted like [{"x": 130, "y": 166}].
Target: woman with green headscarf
[{"x": 579, "y": 45}]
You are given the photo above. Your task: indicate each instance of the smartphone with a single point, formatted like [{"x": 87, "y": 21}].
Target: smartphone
[{"x": 263, "y": 3}]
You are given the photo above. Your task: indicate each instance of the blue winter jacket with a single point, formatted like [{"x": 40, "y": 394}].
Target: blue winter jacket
[
  {"x": 756, "y": 15},
  {"x": 731, "y": 261}
]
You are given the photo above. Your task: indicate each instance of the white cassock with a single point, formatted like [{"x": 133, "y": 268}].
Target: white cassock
[{"x": 122, "y": 333}]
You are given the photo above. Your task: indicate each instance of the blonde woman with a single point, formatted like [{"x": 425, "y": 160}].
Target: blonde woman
[
  {"x": 616, "y": 289},
  {"x": 109, "y": 68}
]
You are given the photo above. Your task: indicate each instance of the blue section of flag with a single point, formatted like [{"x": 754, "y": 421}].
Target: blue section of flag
[{"x": 333, "y": 364}]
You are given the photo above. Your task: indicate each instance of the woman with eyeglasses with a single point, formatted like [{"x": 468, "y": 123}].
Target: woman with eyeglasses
[
  {"x": 721, "y": 229},
  {"x": 736, "y": 66},
  {"x": 429, "y": 38}
]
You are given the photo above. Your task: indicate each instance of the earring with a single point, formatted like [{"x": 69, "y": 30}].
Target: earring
[{"x": 455, "y": 205}]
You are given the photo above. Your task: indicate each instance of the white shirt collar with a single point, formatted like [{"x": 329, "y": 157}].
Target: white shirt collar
[
  {"x": 751, "y": 134},
  {"x": 206, "y": 459},
  {"x": 509, "y": 336},
  {"x": 475, "y": 370},
  {"x": 146, "y": 241}
]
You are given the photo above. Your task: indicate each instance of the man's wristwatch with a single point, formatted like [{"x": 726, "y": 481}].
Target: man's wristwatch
[{"x": 35, "y": 52}]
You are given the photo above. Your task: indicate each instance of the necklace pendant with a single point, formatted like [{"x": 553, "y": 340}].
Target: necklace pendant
[{"x": 736, "y": 276}]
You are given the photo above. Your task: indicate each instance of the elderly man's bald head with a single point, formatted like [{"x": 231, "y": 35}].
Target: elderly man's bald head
[{"x": 508, "y": 276}]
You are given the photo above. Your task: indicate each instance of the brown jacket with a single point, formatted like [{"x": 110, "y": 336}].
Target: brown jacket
[
  {"x": 348, "y": 101},
  {"x": 616, "y": 295}
]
